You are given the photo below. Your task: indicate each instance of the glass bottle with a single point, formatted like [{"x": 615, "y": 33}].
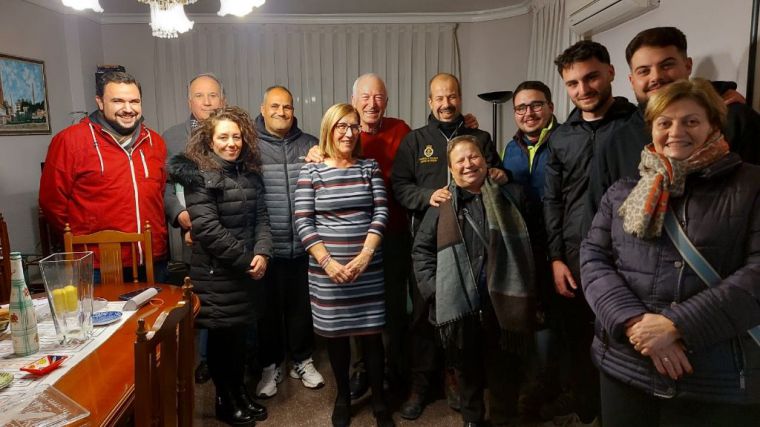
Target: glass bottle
[{"x": 26, "y": 341}]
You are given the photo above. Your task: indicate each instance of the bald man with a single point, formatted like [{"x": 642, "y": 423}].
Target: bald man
[
  {"x": 419, "y": 179},
  {"x": 286, "y": 324}
]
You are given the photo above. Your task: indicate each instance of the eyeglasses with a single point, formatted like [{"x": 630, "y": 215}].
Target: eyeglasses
[
  {"x": 343, "y": 128},
  {"x": 534, "y": 106}
]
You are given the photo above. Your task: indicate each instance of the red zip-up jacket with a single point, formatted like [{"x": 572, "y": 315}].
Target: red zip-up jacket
[{"x": 92, "y": 183}]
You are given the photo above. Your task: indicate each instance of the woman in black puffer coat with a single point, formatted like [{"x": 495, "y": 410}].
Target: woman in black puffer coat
[
  {"x": 221, "y": 174},
  {"x": 671, "y": 350}
]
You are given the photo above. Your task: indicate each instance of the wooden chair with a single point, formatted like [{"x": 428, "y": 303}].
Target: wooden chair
[
  {"x": 109, "y": 244},
  {"x": 5, "y": 262},
  {"x": 164, "y": 360}
]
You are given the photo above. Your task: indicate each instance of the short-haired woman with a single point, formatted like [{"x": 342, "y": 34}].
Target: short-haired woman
[{"x": 672, "y": 350}]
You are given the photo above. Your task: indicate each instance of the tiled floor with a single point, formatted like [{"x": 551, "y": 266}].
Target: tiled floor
[{"x": 296, "y": 406}]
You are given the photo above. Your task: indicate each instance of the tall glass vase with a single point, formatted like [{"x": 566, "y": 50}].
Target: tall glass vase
[{"x": 68, "y": 278}]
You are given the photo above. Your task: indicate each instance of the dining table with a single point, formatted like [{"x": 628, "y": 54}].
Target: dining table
[{"x": 104, "y": 381}]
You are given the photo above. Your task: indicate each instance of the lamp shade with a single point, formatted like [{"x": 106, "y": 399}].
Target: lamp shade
[
  {"x": 83, "y": 5},
  {"x": 238, "y": 7}
]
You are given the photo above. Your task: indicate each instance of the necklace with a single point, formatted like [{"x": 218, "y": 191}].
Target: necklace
[{"x": 453, "y": 134}]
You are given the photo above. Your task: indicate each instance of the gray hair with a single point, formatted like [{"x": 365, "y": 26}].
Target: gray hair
[
  {"x": 212, "y": 76},
  {"x": 364, "y": 76}
]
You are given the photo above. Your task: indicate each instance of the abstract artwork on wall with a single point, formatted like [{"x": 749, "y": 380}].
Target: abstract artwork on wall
[{"x": 23, "y": 97}]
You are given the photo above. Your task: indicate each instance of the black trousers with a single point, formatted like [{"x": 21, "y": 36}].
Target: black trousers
[
  {"x": 226, "y": 355},
  {"x": 426, "y": 360},
  {"x": 575, "y": 330},
  {"x": 286, "y": 324},
  {"x": 483, "y": 363},
  {"x": 625, "y": 406}
]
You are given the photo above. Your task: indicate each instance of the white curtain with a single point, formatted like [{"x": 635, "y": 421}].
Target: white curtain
[
  {"x": 550, "y": 35},
  {"x": 318, "y": 63}
]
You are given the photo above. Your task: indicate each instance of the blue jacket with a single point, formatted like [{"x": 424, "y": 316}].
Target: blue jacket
[{"x": 516, "y": 161}]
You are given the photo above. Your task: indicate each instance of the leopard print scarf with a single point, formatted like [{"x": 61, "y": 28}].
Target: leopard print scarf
[{"x": 643, "y": 211}]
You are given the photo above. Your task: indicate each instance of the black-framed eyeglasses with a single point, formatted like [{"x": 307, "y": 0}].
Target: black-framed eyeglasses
[
  {"x": 343, "y": 128},
  {"x": 534, "y": 106}
]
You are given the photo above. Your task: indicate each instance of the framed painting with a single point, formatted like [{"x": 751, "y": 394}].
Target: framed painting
[{"x": 24, "y": 106}]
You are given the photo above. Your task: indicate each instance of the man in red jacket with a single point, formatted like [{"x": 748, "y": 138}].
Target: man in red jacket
[{"x": 107, "y": 172}]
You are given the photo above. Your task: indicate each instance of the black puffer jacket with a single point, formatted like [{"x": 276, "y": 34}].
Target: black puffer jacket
[
  {"x": 624, "y": 276},
  {"x": 567, "y": 210},
  {"x": 230, "y": 226},
  {"x": 281, "y": 160}
]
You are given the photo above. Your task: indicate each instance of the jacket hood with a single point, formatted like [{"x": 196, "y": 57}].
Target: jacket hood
[
  {"x": 185, "y": 172},
  {"x": 619, "y": 108},
  {"x": 263, "y": 133}
]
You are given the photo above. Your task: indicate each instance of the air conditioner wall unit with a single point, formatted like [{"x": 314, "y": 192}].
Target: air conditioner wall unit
[{"x": 589, "y": 17}]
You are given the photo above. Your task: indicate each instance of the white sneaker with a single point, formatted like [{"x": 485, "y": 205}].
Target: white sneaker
[
  {"x": 270, "y": 377},
  {"x": 305, "y": 370}
]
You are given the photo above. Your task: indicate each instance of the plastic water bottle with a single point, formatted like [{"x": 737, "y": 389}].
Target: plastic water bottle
[{"x": 26, "y": 341}]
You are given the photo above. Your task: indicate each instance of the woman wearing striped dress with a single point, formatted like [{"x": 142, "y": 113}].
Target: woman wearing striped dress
[{"x": 340, "y": 210}]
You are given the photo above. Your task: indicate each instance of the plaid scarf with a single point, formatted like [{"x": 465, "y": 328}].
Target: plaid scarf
[
  {"x": 643, "y": 211},
  {"x": 509, "y": 272}
]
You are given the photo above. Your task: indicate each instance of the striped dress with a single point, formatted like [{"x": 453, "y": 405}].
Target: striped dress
[{"x": 338, "y": 207}]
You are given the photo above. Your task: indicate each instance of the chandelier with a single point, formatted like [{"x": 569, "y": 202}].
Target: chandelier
[
  {"x": 83, "y": 5},
  {"x": 167, "y": 17},
  {"x": 238, "y": 7}
]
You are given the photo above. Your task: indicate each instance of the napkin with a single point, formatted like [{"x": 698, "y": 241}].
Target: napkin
[{"x": 139, "y": 300}]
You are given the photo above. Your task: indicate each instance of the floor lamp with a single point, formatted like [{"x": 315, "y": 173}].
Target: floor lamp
[{"x": 496, "y": 98}]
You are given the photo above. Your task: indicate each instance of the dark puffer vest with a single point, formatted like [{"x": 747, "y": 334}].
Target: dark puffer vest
[
  {"x": 230, "y": 227},
  {"x": 624, "y": 276},
  {"x": 281, "y": 162}
]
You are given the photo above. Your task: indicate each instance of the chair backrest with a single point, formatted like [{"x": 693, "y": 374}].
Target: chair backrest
[
  {"x": 109, "y": 248},
  {"x": 164, "y": 366},
  {"x": 5, "y": 262},
  {"x": 50, "y": 241}
]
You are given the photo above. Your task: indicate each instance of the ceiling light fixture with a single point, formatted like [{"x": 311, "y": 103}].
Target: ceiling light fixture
[
  {"x": 169, "y": 22},
  {"x": 238, "y": 7},
  {"x": 167, "y": 17},
  {"x": 83, "y": 5}
]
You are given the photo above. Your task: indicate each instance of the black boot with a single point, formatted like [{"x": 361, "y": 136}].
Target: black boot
[
  {"x": 341, "y": 415},
  {"x": 258, "y": 411},
  {"x": 384, "y": 419},
  {"x": 230, "y": 410}
]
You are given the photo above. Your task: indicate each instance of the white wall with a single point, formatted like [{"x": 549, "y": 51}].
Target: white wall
[
  {"x": 64, "y": 43},
  {"x": 494, "y": 57},
  {"x": 717, "y": 32}
]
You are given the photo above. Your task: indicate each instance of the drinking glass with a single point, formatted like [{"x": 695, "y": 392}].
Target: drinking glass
[{"x": 68, "y": 278}]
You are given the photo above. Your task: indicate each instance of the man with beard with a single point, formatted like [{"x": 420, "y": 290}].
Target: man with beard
[
  {"x": 524, "y": 160},
  {"x": 107, "y": 171},
  {"x": 587, "y": 73},
  {"x": 286, "y": 324},
  {"x": 657, "y": 57},
  {"x": 205, "y": 94},
  {"x": 420, "y": 179}
]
